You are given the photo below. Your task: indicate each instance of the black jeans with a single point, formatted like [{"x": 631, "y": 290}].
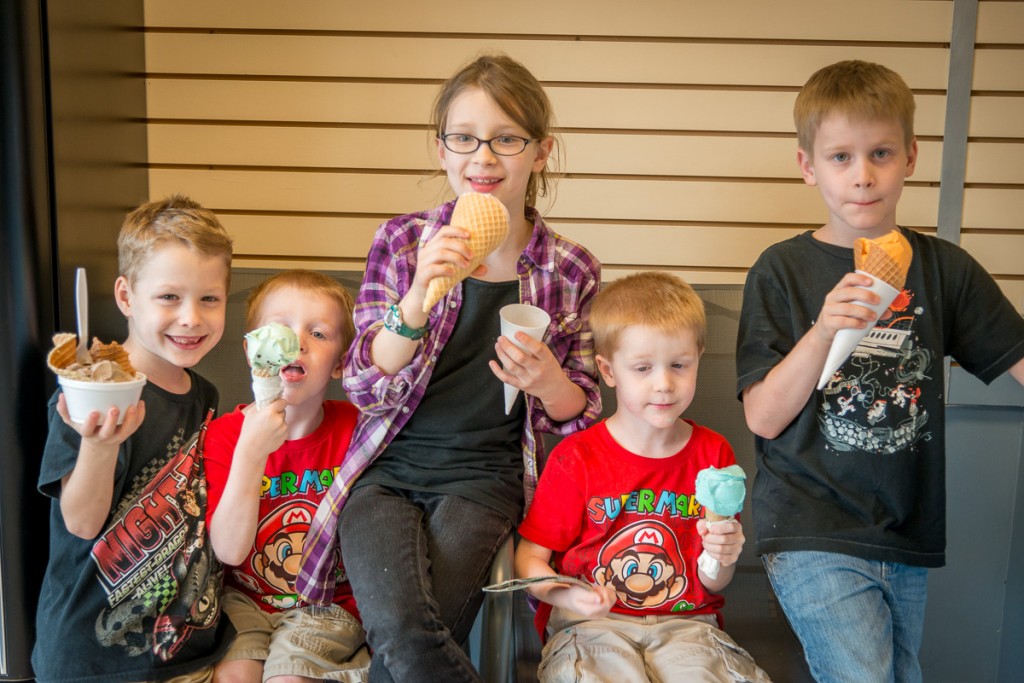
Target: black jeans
[{"x": 417, "y": 562}]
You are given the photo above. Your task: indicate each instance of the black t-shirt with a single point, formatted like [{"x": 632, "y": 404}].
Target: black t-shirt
[
  {"x": 141, "y": 601},
  {"x": 459, "y": 440},
  {"x": 861, "y": 469}
]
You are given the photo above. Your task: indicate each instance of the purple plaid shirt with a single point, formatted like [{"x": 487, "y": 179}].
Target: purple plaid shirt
[{"x": 558, "y": 275}]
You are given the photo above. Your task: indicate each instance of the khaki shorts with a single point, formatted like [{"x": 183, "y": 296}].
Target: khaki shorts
[
  {"x": 619, "y": 647},
  {"x": 319, "y": 642},
  {"x": 201, "y": 676}
]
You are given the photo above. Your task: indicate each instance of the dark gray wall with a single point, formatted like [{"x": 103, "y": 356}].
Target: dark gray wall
[
  {"x": 98, "y": 117},
  {"x": 975, "y": 620},
  {"x": 73, "y": 154}
]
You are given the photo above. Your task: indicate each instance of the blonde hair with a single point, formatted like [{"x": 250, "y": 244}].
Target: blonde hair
[
  {"x": 861, "y": 91},
  {"x": 516, "y": 92},
  {"x": 312, "y": 282},
  {"x": 174, "y": 220},
  {"x": 657, "y": 300}
]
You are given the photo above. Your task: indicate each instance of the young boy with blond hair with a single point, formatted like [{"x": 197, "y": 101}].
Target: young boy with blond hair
[
  {"x": 131, "y": 592},
  {"x": 615, "y": 507},
  {"x": 268, "y": 469},
  {"x": 849, "y": 500}
]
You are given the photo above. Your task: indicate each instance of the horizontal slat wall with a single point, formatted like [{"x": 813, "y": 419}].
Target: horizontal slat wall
[
  {"x": 308, "y": 120},
  {"x": 995, "y": 153}
]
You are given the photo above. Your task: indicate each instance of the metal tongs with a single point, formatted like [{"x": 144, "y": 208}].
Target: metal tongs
[
  {"x": 82, "y": 312},
  {"x": 518, "y": 584}
]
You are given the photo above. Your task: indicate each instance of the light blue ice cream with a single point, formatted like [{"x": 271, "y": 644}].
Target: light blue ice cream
[{"x": 722, "y": 490}]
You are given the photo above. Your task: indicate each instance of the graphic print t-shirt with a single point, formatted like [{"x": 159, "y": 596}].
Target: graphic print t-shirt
[
  {"x": 617, "y": 518},
  {"x": 295, "y": 480},
  {"x": 140, "y": 601}
]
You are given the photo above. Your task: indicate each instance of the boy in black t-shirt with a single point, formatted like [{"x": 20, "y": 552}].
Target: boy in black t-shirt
[
  {"x": 131, "y": 592},
  {"x": 849, "y": 500}
]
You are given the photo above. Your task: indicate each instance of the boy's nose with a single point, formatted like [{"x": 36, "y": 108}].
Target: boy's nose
[
  {"x": 865, "y": 176},
  {"x": 189, "y": 315}
]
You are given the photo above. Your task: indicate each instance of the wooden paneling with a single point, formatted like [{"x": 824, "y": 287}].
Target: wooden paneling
[
  {"x": 675, "y": 130},
  {"x": 816, "y": 20}
]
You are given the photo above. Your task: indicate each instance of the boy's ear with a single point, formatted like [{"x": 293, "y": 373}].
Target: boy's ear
[
  {"x": 803, "y": 159},
  {"x": 911, "y": 158},
  {"x": 605, "y": 368},
  {"x": 123, "y": 295}
]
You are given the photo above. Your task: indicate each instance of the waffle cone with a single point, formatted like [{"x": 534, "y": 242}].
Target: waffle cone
[
  {"x": 263, "y": 373},
  {"x": 63, "y": 353},
  {"x": 711, "y": 516},
  {"x": 113, "y": 352},
  {"x": 887, "y": 258},
  {"x": 487, "y": 221}
]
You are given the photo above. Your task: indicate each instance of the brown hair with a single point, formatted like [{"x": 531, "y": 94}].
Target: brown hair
[
  {"x": 174, "y": 220},
  {"x": 309, "y": 281},
  {"x": 861, "y": 91},
  {"x": 658, "y": 300},
  {"x": 516, "y": 92}
]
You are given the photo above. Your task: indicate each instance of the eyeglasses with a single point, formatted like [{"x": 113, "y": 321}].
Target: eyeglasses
[{"x": 502, "y": 145}]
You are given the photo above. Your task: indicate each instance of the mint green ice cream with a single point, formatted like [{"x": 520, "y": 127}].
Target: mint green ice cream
[
  {"x": 722, "y": 490},
  {"x": 271, "y": 347}
]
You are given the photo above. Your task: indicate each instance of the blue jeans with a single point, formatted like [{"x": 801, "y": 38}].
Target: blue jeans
[
  {"x": 859, "y": 621},
  {"x": 417, "y": 562}
]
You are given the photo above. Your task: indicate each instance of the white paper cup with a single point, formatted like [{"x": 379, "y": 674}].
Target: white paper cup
[
  {"x": 846, "y": 340},
  {"x": 532, "y": 320},
  {"x": 85, "y": 397}
]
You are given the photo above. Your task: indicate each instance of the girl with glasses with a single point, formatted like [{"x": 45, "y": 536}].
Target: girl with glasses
[{"x": 438, "y": 474}]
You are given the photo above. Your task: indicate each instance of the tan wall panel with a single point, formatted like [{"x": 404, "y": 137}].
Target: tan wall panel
[
  {"x": 336, "y": 237},
  {"x": 997, "y": 116},
  {"x": 782, "y": 19},
  {"x": 1001, "y": 22},
  {"x": 387, "y": 194},
  {"x": 1001, "y": 208},
  {"x": 618, "y": 108},
  {"x": 1001, "y": 254},
  {"x": 996, "y": 162},
  {"x": 999, "y": 69},
  {"x": 595, "y": 61},
  {"x": 672, "y": 155}
]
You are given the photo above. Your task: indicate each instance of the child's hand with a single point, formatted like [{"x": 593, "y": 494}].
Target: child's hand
[
  {"x": 109, "y": 434},
  {"x": 842, "y": 309},
  {"x": 533, "y": 371},
  {"x": 590, "y": 602},
  {"x": 263, "y": 430},
  {"x": 440, "y": 257},
  {"x": 722, "y": 540}
]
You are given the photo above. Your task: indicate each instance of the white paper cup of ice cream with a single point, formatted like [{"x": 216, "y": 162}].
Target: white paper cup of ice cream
[{"x": 84, "y": 397}]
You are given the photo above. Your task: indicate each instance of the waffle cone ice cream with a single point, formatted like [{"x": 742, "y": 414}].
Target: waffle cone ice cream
[
  {"x": 487, "y": 221},
  {"x": 110, "y": 362},
  {"x": 887, "y": 258}
]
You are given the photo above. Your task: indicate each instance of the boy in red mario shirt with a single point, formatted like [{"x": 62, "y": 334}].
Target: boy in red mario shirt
[
  {"x": 616, "y": 508},
  {"x": 268, "y": 468}
]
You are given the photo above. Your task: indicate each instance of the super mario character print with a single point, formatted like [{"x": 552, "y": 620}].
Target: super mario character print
[
  {"x": 160, "y": 575},
  {"x": 643, "y": 565},
  {"x": 872, "y": 402},
  {"x": 278, "y": 551}
]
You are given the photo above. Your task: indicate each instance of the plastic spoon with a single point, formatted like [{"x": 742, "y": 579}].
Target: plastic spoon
[{"x": 82, "y": 312}]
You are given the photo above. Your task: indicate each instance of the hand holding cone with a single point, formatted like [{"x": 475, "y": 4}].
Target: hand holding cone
[
  {"x": 887, "y": 261},
  {"x": 487, "y": 221},
  {"x": 721, "y": 492}
]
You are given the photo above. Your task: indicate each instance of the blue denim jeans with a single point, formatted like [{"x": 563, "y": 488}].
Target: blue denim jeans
[
  {"x": 417, "y": 562},
  {"x": 859, "y": 621}
]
